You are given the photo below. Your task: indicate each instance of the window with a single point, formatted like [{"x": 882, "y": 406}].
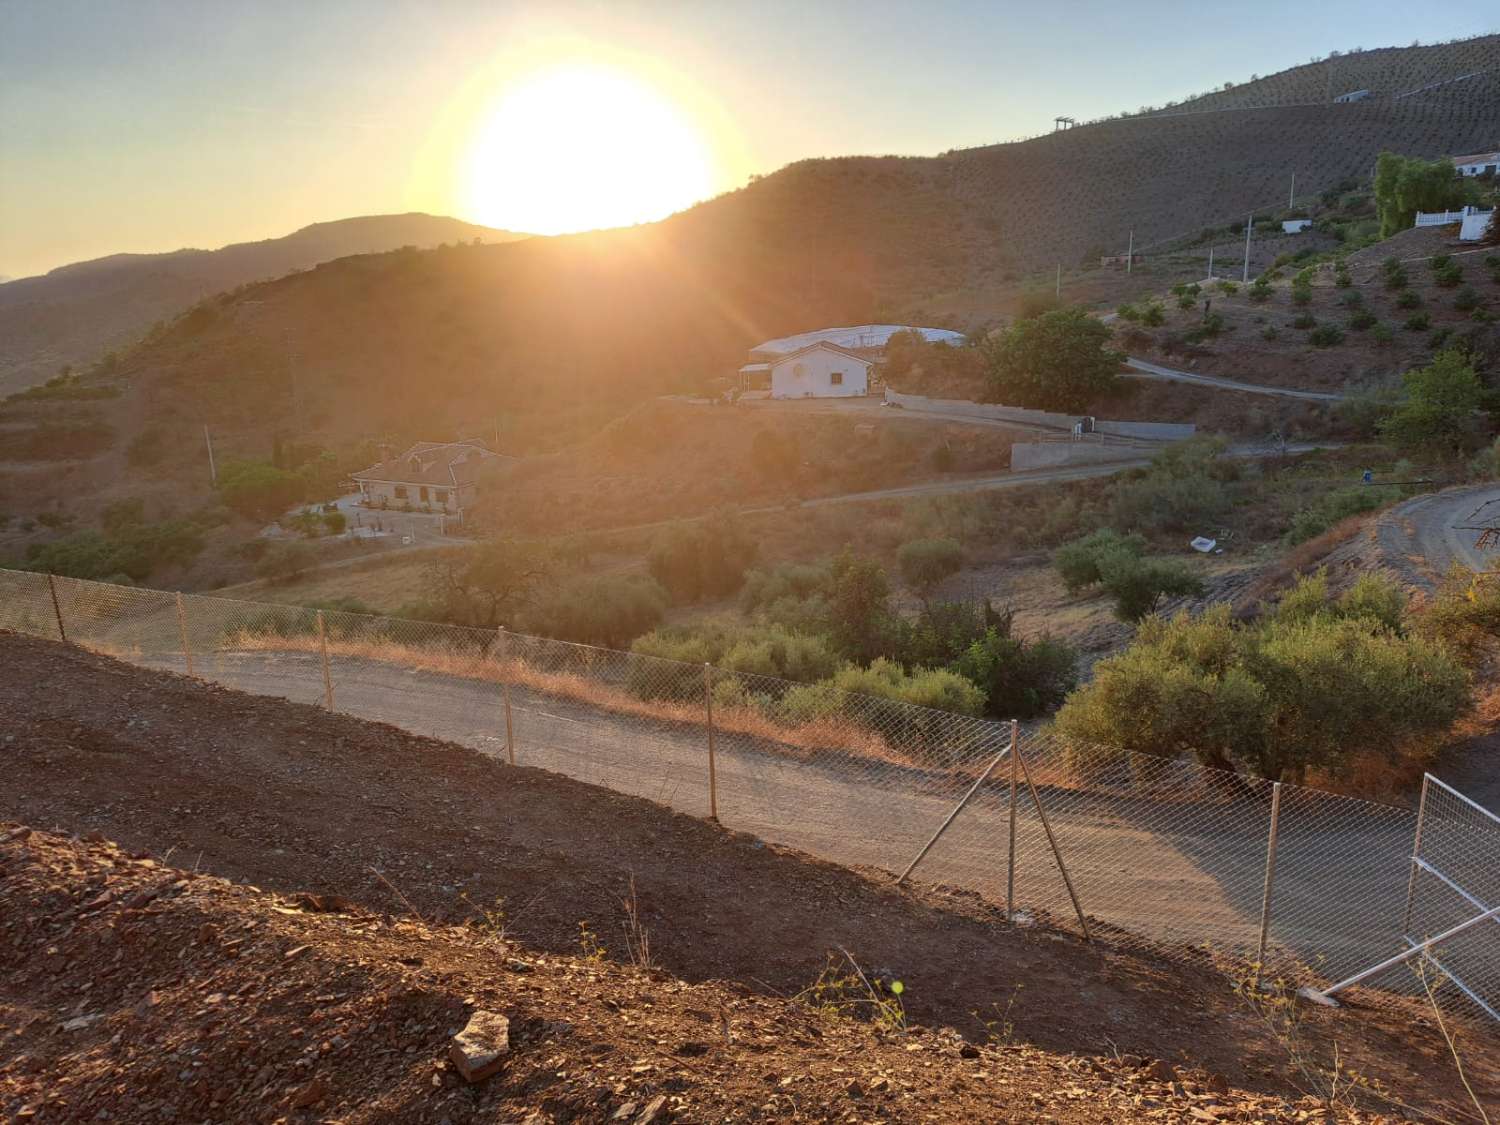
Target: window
[
  {"x": 422, "y": 494},
  {"x": 836, "y": 379},
  {"x": 401, "y": 492},
  {"x": 441, "y": 495}
]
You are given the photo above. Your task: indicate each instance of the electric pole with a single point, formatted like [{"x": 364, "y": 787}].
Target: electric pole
[
  {"x": 1059, "y": 281},
  {"x": 1249, "y": 226},
  {"x": 1130, "y": 253},
  {"x": 213, "y": 474},
  {"x": 1210, "y": 263},
  {"x": 1291, "y": 196}
]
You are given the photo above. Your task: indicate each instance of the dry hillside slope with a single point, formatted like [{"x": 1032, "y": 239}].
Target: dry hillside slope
[{"x": 74, "y": 313}]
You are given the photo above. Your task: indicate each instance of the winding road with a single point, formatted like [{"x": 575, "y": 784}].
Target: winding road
[
  {"x": 1422, "y": 539},
  {"x": 1142, "y": 369}
]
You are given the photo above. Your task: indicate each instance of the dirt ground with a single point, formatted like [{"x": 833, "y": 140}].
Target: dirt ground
[
  {"x": 135, "y": 991},
  {"x": 292, "y": 799}
]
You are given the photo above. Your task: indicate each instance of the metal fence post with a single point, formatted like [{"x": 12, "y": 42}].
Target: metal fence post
[
  {"x": 187, "y": 649},
  {"x": 1265, "y": 898},
  {"x": 327, "y": 678},
  {"x": 958, "y": 808},
  {"x": 1010, "y": 853},
  {"x": 503, "y": 640},
  {"x": 62, "y": 633},
  {"x": 1052, "y": 842},
  {"x": 1416, "y": 853},
  {"x": 708, "y": 711}
]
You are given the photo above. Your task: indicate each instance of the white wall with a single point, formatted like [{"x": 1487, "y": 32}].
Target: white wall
[
  {"x": 1474, "y": 224},
  {"x": 811, "y": 375}
]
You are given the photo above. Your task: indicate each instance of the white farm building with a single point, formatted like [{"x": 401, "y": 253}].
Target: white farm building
[
  {"x": 1477, "y": 163},
  {"x": 828, "y": 362}
]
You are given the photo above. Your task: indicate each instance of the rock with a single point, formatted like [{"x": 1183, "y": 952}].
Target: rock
[
  {"x": 15, "y": 834},
  {"x": 311, "y": 1094},
  {"x": 968, "y": 1051},
  {"x": 78, "y": 1023},
  {"x": 1218, "y": 1084},
  {"x": 479, "y": 1050},
  {"x": 623, "y": 1112},
  {"x": 1160, "y": 1071},
  {"x": 653, "y": 1107}
]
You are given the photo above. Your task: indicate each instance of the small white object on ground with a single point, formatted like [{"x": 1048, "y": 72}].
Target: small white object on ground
[{"x": 1203, "y": 545}]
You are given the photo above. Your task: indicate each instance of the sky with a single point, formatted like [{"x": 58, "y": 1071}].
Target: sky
[{"x": 149, "y": 125}]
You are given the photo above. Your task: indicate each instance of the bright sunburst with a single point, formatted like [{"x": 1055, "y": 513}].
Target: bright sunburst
[{"x": 583, "y": 146}]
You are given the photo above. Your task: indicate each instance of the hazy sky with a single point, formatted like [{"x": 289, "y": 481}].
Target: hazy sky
[{"x": 156, "y": 124}]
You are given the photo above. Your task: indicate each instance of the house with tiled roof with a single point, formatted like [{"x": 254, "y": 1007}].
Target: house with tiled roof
[{"x": 437, "y": 476}]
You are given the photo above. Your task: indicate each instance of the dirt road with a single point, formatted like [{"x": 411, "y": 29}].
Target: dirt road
[
  {"x": 1141, "y": 369},
  {"x": 1423, "y": 538}
]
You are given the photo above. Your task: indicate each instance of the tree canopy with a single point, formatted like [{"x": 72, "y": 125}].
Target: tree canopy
[
  {"x": 1405, "y": 185},
  {"x": 1060, "y": 360}
]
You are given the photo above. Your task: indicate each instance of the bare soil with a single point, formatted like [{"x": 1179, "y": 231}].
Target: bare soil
[{"x": 293, "y": 799}]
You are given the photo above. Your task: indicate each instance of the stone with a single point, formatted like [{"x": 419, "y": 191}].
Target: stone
[
  {"x": 479, "y": 1050},
  {"x": 968, "y": 1051},
  {"x": 1161, "y": 1071},
  {"x": 653, "y": 1107}
]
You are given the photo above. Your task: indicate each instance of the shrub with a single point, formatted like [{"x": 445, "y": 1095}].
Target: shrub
[
  {"x": 1466, "y": 299},
  {"x": 1020, "y": 679},
  {"x": 1138, "y": 585},
  {"x": 1396, "y": 279},
  {"x": 1335, "y": 507},
  {"x": 1418, "y": 322},
  {"x": 1440, "y": 404},
  {"x": 1269, "y": 332},
  {"x": 1408, "y": 300},
  {"x": 925, "y": 563},
  {"x": 1448, "y": 278},
  {"x": 258, "y": 490},
  {"x": 1229, "y": 288},
  {"x": 935, "y": 688},
  {"x": 1305, "y": 321},
  {"x": 1259, "y": 292},
  {"x": 786, "y": 580},
  {"x": 129, "y": 548},
  {"x": 704, "y": 559},
  {"x": 1341, "y": 279},
  {"x": 1277, "y": 697},
  {"x": 1060, "y": 360},
  {"x": 1301, "y": 296},
  {"x": 1077, "y": 562},
  {"x": 1153, "y": 315},
  {"x": 1326, "y": 336},
  {"x": 1186, "y": 301},
  {"x": 1362, "y": 320},
  {"x": 610, "y": 611},
  {"x": 1383, "y": 334},
  {"x": 1439, "y": 262},
  {"x": 1353, "y": 299}
]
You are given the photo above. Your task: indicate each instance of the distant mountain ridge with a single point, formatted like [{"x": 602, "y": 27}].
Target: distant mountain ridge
[{"x": 74, "y": 313}]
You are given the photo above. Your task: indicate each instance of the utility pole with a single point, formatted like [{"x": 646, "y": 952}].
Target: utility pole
[
  {"x": 1059, "y": 281},
  {"x": 1210, "y": 263},
  {"x": 1249, "y": 226},
  {"x": 1291, "y": 196},
  {"x": 1130, "y": 253},
  {"x": 213, "y": 474}
]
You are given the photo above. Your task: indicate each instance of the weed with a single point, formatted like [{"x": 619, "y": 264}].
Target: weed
[
  {"x": 847, "y": 992},
  {"x": 489, "y": 919},
  {"x": 1000, "y": 1031},
  {"x": 589, "y": 945},
  {"x": 637, "y": 940}
]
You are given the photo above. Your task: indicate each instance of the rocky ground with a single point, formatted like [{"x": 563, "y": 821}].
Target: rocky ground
[{"x": 406, "y": 883}]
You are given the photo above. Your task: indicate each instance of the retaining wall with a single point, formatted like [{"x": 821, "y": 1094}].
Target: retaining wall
[{"x": 963, "y": 408}]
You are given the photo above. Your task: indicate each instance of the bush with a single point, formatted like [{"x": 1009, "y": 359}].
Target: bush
[
  {"x": 1305, "y": 321},
  {"x": 1383, "y": 334},
  {"x": 1353, "y": 299},
  {"x": 610, "y": 611},
  {"x": 1277, "y": 697},
  {"x": 1153, "y": 315},
  {"x": 1408, "y": 300},
  {"x": 925, "y": 563},
  {"x": 1335, "y": 507},
  {"x": 1269, "y": 332},
  {"x": 1229, "y": 288},
  {"x": 258, "y": 490},
  {"x": 1301, "y": 295},
  {"x": 935, "y": 688},
  {"x": 1466, "y": 299},
  {"x": 1060, "y": 360},
  {"x": 1077, "y": 562},
  {"x": 1440, "y": 405},
  {"x": 1020, "y": 679},
  {"x": 1362, "y": 320},
  {"x": 1259, "y": 292},
  {"x": 1138, "y": 585},
  {"x": 1448, "y": 277},
  {"x": 1326, "y": 336},
  {"x": 1182, "y": 489},
  {"x": 704, "y": 559},
  {"x": 128, "y": 548},
  {"x": 1418, "y": 322},
  {"x": 1396, "y": 279}
]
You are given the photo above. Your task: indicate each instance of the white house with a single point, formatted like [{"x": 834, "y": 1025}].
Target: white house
[
  {"x": 1295, "y": 226},
  {"x": 1477, "y": 163},
  {"x": 435, "y": 476},
  {"x": 819, "y": 370},
  {"x": 1353, "y": 96}
]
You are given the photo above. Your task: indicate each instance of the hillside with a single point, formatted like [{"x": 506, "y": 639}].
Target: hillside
[
  {"x": 76, "y": 312},
  {"x": 544, "y": 340},
  {"x": 450, "y": 881}
]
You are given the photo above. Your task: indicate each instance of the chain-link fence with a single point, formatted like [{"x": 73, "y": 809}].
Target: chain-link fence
[{"x": 1301, "y": 881}]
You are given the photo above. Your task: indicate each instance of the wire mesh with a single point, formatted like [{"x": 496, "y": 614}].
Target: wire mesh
[{"x": 1157, "y": 848}]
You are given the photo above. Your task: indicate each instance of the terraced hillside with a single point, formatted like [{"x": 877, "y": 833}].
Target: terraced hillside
[{"x": 1386, "y": 72}]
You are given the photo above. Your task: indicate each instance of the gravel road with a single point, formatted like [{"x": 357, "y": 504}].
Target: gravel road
[
  {"x": 1421, "y": 539},
  {"x": 1141, "y": 369}
]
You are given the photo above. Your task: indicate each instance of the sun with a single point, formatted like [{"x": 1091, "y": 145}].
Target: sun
[{"x": 583, "y": 146}]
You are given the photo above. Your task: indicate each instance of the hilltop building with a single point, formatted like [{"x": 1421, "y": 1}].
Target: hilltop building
[
  {"x": 828, "y": 362},
  {"x": 440, "y": 476},
  {"x": 1477, "y": 163}
]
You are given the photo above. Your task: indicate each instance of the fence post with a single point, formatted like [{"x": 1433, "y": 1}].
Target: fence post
[
  {"x": 1052, "y": 842},
  {"x": 187, "y": 650},
  {"x": 62, "y": 633},
  {"x": 327, "y": 678},
  {"x": 1010, "y": 874},
  {"x": 510, "y": 736},
  {"x": 1416, "y": 852},
  {"x": 708, "y": 711},
  {"x": 958, "y": 808},
  {"x": 1265, "y": 898}
]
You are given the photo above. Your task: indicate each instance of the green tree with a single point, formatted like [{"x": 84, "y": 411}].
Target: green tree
[
  {"x": 1138, "y": 585},
  {"x": 1440, "y": 407},
  {"x": 1405, "y": 185},
  {"x": 258, "y": 490},
  {"x": 493, "y": 583},
  {"x": 858, "y": 606},
  {"x": 1060, "y": 360},
  {"x": 926, "y": 562},
  {"x": 1077, "y": 562},
  {"x": 1020, "y": 679},
  {"x": 612, "y": 610},
  {"x": 705, "y": 559}
]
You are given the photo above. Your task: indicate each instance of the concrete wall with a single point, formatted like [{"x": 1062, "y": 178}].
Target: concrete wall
[
  {"x": 1025, "y": 455},
  {"x": 810, "y": 375},
  {"x": 962, "y": 408},
  {"x": 1474, "y": 223}
]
